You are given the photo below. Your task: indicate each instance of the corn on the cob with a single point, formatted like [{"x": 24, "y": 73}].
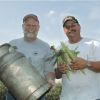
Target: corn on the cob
[{"x": 65, "y": 56}]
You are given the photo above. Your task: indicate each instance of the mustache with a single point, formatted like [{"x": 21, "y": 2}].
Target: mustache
[
  {"x": 31, "y": 32},
  {"x": 71, "y": 33},
  {"x": 73, "y": 30}
]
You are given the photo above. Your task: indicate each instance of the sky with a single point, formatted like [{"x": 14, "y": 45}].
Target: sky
[{"x": 50, "y": 14}]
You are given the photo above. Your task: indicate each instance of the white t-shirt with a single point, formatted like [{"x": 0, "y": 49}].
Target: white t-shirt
[
  {"x": 83, "y": 86},
  {"x": 37, "y": 52}
]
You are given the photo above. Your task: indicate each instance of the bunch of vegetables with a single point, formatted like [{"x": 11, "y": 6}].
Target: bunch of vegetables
[{"x": 64, "y": 56}]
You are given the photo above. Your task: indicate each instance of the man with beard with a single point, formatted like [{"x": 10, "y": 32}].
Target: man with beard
[
  {"x": 36, "y": 50},
  {"x": 80, "y": 86}
]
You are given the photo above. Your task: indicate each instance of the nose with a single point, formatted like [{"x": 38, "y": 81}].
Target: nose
[
  {"x": 32, "y": 27},
  {"x": 69, "y": 29}
]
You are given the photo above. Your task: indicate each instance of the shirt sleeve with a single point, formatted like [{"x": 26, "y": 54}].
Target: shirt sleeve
[{"x": 95, "y": 51}]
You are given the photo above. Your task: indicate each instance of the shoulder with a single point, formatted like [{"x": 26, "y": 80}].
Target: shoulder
[
  {"x": 15, "y": 41},
  {"x": 92, "y": 43}
]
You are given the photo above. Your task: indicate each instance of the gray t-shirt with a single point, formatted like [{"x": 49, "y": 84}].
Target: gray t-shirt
[{"x": 37, "y": 52}]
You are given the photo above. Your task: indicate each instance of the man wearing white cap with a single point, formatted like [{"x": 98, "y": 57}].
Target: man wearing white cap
[{"x": 80, "y": 86}]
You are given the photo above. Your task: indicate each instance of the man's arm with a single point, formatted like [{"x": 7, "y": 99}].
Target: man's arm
[
  {"x": 81, "y": 63},
  {"x": 94, "y": 66},
  {"x": 50, "y": 77},
  {"x": 61, "y": 69}
]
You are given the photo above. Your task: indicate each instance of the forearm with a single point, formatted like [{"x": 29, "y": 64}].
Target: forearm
[
  {"x": 94, "y": 66},
  {"x": 81, "y": 63},
  {"x": 50, "y": 76}
]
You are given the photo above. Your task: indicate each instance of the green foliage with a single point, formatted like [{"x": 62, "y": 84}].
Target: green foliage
[
  {"x": 3, "y": 90},
  {"x": 54, "y": 93},
  {"x": 65, "y": 56}
]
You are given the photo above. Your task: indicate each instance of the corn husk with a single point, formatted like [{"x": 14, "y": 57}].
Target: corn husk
[{"x": 65, "y": 56}]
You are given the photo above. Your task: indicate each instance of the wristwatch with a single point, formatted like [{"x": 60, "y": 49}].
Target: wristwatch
[{"x": 88, "y": 64}]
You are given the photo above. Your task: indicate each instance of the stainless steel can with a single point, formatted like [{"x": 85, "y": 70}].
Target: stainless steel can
[{"x": 21, "y": 78}]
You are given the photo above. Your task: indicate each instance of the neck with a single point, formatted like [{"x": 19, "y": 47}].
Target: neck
[
  {"x": 29, "y": 39},
  {"x": 72, "y": 41}
]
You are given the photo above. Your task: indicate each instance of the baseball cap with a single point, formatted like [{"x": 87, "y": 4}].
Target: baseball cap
[
  {"x": 72, "y": 18},
  {"x": 30, "y": 16}
]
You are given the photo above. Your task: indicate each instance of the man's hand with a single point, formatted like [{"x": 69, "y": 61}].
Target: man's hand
[
  {"x": 51, "y": 82},
  {"x": 50, "y": 77},
  {"x": 78, "y": 64},
  {"x": 62, "y": 68}
]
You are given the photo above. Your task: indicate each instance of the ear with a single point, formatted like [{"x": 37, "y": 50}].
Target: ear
[
  {"x": 65, "y": 30},
  {"x": 22, "y": 26},
  {"x": 38, "y": 27}
]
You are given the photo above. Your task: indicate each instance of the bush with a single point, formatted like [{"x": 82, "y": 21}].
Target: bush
[
  {"x": 54, "y": 93},
  {"x": 3, "y": 90}
]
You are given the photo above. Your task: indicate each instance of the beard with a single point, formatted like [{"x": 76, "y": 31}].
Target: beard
[
  {"x": 30, "y": 35},
  {"x": 72, "y": 33}
]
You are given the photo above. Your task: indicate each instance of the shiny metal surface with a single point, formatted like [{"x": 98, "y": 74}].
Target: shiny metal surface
[
  {"x": 21, "y": 78},
  {"x": 4, "y": 49}
]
